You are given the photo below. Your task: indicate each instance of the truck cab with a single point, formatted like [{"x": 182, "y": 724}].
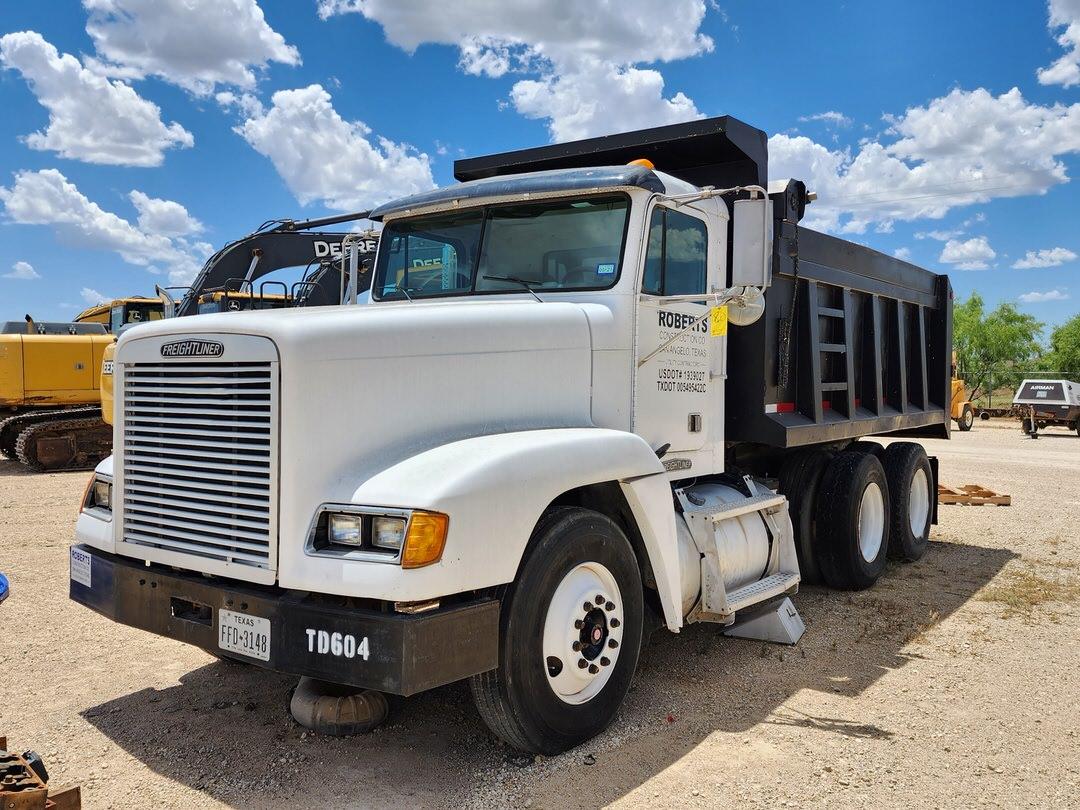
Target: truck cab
[{"x": 527, "y": 441}]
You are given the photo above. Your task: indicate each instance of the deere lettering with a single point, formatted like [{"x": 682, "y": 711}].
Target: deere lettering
[
  {"x": 333, "y": 249},
  {"x": 192, "y": 348}
]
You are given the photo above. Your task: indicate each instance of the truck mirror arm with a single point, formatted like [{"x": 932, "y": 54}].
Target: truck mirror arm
[{"x": 708, "y": 192}]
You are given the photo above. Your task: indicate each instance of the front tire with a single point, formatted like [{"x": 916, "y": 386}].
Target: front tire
[
  {"x": 967, "y": 419},
  {"x": 853, "y": 521},
  {"x": 570, "y": 634}
]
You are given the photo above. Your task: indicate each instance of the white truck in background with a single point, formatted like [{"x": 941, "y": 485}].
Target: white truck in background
[{"x": 595, "y": 382}]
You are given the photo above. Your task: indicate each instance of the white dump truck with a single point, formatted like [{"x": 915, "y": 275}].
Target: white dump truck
[{"x": 597, "y": 387}]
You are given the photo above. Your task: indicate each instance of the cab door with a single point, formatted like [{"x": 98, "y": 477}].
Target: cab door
[{"x": 673, "y": 383}]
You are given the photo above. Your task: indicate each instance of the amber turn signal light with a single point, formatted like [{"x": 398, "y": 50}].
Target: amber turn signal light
[{"x": 425, "y": 539}]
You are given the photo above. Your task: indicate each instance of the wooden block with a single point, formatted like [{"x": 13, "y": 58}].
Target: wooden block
[{"x": 972, "y": 495}]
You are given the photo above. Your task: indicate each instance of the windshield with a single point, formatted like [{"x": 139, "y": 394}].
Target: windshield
[{"x": 551, "y": 245}]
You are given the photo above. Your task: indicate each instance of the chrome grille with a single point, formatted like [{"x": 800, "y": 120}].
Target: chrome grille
[{"x": 198, "y": 460}]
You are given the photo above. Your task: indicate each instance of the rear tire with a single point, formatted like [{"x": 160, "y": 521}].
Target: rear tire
[
  {"x": 873, "y": 448},
  {"x": 540, "y": 700},
  {"x": 800, "y": 480},
  {"x": 853, "y": 521},
  {"x": 966, "y": 420},
  {"x": 911, "y": 482}
]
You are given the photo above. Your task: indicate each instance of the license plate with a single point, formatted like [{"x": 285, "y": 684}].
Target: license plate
[{"x": 245, "y": 634}]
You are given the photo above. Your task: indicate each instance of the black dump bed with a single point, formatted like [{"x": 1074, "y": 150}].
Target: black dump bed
[{"x": 852, "y": 342}]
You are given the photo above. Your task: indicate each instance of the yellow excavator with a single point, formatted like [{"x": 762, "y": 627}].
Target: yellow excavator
[
  {"x": 49, "y": 387},
  {"x": 961, "y": 410},
  {"x": 50, "y": 384},
  {"x": 57, "y": 423}
]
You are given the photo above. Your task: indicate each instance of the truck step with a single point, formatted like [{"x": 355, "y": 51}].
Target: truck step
[
  {"x": 779, "y": 623},
  {"x": 743, "y": 507},
  {"x": 763, "y": 589}
]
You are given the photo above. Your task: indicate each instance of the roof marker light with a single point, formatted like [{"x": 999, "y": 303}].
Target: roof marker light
[{"x": 643, "y": 162}]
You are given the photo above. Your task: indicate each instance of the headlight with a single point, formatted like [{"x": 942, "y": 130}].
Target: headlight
[
  {"x": 346, "y": 530},
  {"x": 98, "y": 495},
  {"x": 388, "y": 532},
  {"x": 412, "y": 537}
]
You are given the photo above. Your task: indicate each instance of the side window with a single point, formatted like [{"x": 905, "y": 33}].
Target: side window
[
  {"x": 116, "y": 319},
  {"x": 675, "y": 257}
]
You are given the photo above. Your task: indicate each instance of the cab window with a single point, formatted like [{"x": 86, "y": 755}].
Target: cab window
[
  {"x": 675, "y": 257},
  {"x": 116, "y": 319}
]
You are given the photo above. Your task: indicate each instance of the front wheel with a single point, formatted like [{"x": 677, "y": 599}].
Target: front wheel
[
  {"x": 570, "y": 636},
  {"x": 967, "y": 419}
]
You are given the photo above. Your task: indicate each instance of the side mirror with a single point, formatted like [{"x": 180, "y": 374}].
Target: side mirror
[{"x": 751, "y": 253}]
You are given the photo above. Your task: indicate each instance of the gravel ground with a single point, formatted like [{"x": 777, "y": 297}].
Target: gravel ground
[{"x": 952, "y": 683}]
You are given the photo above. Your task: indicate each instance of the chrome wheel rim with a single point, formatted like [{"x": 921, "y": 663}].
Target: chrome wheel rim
[{"x": 583, "y": 632}]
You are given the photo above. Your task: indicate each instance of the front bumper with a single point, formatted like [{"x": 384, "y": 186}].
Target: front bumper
[{"x": 406, "y": 653}]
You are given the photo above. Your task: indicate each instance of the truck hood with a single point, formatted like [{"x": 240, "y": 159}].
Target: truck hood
[
  {"x": 362, "y": 388},
  {"x": 395, "y": 330}
]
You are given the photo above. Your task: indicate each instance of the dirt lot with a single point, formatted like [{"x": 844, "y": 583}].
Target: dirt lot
[{"x": 953, "y": 683}]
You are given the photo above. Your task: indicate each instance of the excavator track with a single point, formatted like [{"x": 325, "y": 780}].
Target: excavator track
[
  {"x": 11, "y": 427},
  {"x": 64, "y": 444}
]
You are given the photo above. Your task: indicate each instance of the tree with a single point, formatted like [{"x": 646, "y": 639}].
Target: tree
[
  {"x": 993, "y": 349},
  {"x": 1064, "y": 355}
]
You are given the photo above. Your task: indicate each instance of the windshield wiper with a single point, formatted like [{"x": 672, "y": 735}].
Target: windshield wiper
[
  {"x": 403, "y": 291},
  {"x": 528, "y": 285}
]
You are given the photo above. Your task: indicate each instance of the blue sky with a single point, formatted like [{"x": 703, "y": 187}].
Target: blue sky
[{"x": 139, "y": 134}]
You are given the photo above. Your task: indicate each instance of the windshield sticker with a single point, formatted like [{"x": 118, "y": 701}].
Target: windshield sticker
[{"x": 605, "y": 269}]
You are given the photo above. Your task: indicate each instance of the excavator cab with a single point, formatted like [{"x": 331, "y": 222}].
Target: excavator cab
[{"x": 118, "y": 313}]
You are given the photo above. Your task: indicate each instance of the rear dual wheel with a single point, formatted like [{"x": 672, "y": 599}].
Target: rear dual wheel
[
  {"x": 873, "y": 503},
  {"x": 911, "y": 486},
  {"x": 570, "y": 634},
  {"x": 852, "y": 520}
]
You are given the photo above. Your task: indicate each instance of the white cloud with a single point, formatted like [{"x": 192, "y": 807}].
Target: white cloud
[
  {"x": 163, "y": 217},
  {"x": 941, "y": 236},
  {"x": 321, "y": 156},
  {"x": 248, "y": 104},
  {"x": 90, "y": 118},
  {"x": 46, "y": 197},
  {"x": 584, "y": 58},
  {"x": 1040, "y": 297},
  {"x": 831, "y": 117},
  {"x": 963, "y": 148},
  {"x": 24, "y": 271},
  {"x": 196, "y": 44},
  {"x": 1066, "y": 70},
  {"x": 1051, "y": 257},
  {"x": 93, "y": 297},
  {"x": 606, "y": 98},
  {"x": 902, "y": 253},
  {"x": 971, "y": 254}
]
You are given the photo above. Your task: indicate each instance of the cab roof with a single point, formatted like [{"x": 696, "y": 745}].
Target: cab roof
[{"x": 555, "y": 181}]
